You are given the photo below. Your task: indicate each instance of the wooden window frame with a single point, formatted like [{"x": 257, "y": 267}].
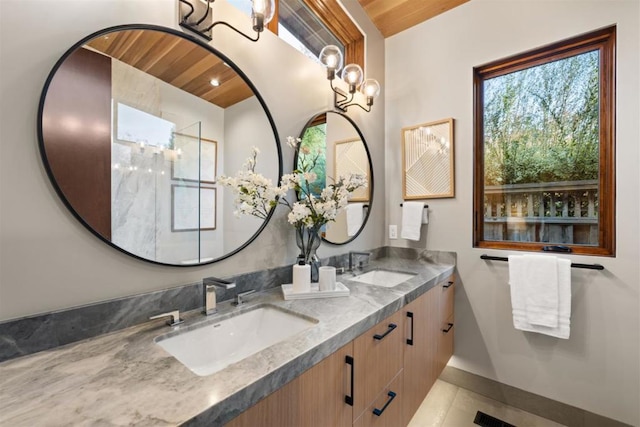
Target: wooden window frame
[
  {"x": 604, "y": 41},
  {"x": 338, "y": 22}
]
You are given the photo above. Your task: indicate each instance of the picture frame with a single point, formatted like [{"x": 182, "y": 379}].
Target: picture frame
[
  {"x": 191, "y": 148},
  {"x": 185, "y": 205},
  {"x": 350, "y": 156},
  {"x": 428, "y": 160}
]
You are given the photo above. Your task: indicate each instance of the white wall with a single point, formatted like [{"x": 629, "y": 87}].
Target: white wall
[
  {"x": 48, "y": 260},
  {"x": 245, "y": 126},
  {"x": 429, "y": 77}
]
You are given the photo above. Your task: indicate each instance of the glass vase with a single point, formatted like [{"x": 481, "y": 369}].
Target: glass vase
[{"x": 308, "y": 240}]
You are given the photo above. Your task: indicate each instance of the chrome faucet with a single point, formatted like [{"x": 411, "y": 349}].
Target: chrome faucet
[
  {"x": 174, "y": 317},
  {"x": 209, "y": 285},
  {"x": 353, "y": 254}
]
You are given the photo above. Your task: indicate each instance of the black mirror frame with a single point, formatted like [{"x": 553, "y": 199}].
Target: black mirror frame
[
  {"x": 193, "y": 39},
  {"x": 371, "y": 181}
]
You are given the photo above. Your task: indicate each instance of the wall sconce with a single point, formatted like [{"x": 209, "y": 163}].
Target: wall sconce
[
  {"x": 197, "y": 16},
  {"x": 352, "y": 74}
]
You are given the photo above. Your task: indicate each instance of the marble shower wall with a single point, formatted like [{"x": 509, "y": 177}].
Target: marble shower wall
[{"x": 142, "y": 178}]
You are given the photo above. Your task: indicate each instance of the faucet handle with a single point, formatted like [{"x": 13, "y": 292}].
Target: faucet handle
[
  {"x": 175, "y": 317},
  {"x": 238, "y": 300}
]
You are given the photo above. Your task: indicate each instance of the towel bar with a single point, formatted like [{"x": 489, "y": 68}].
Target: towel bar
[
  {"x": 425, "y": 206},
  {"x": 574, "y": 265}
]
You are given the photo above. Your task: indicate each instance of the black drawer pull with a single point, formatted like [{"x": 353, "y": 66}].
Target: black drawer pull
[
  {"x": 392, "y": 326},
  {"x": 557, "y": 248},
  {"x": 379, "y": 412},
  {"x": 449, "y": 326},
  {"x": 349, "y": 399},
  {"x": 448, "y": 285},
  {"x": 410, "y": 316}
]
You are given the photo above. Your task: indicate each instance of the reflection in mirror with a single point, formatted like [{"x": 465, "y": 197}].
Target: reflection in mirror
[
  {"x": 341, "y": 149},
  {"x": 135, "y": 124}
]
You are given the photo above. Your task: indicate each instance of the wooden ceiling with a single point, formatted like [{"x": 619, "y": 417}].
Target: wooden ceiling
[
  {"x": 176, "y": 61},
  {"x": 393, "y": 16}
]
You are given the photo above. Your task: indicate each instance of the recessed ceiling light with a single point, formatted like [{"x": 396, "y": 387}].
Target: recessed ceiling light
[{"x": 215, "y": 82}]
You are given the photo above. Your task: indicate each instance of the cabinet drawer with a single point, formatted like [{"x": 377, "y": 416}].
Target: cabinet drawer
[
  {"x": 445, "y": 344},
  {"x": 388, "y": 407},
  {"x": 446, "y": 297},
  {"x": 377, "y": 360}
]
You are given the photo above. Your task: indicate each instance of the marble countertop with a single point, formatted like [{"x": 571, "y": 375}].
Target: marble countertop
[{"x": 124, "y": 378}]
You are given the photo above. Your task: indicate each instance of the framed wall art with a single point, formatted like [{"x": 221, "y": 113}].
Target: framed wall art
[
  {"x": 190, "y": 149},
  {"x": 185, "y": 206},
  {"x": 428, "y": 160}
]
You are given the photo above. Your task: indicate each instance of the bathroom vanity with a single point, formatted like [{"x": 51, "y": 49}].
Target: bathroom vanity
[
  {"x": 389, "y": 369},
  {"x": 349, "y": 364}
]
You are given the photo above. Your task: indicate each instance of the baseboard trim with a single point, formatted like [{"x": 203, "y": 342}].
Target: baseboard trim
[{"x": 553, "y": 410}]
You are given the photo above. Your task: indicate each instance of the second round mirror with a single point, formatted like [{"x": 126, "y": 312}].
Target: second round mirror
[{"x": 341, "y": 149}]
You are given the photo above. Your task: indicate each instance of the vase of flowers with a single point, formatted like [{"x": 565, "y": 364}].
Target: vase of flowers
[
  {"x": 315, "y": 207},
  {"x": 308, "y": 240}
]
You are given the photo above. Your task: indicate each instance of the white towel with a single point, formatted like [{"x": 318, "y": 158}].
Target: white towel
[
  {"x": 425, "y": 216},
  {"x": 524, "y": 270},
  {"x": 539, "y": 276},
  {"x": 355, "y": 213},
  {"x": 411, "y": 220}
]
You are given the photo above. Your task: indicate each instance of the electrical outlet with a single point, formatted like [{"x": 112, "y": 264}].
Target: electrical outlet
[{"x": 393, "y": 231}]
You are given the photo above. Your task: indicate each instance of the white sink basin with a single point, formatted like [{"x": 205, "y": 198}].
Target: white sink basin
[
  {"x": 386, "y": 278},
  {"x": 208, "y": 348}
]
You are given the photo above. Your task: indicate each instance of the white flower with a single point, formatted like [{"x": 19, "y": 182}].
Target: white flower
[
  {"x": 256, "y": 195},
  {"x": 310, "y": 176},
  {"x": 293, "y": 142},
  {"x": 299, "y": 212}
]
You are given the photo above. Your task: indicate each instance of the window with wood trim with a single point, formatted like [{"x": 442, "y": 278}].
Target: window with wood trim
[
  {"x": 315, "y": 24},
  {"x": 544, "y": 148}
]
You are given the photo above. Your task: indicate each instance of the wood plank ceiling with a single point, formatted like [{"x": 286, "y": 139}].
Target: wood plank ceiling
[
  {"x": 394, "y": 16},
  {"x": 176, "y": 61}
]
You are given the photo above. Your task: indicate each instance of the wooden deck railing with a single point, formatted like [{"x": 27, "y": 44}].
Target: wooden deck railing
[{"x": 554, "y": 212}]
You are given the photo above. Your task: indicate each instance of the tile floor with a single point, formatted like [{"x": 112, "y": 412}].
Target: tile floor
[{"x": 448, "y": 405}]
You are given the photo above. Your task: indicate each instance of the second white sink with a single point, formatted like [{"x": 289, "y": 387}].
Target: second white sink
[
  {"x": 214, "y": 346},
  {"x": 386, "y": 278}
]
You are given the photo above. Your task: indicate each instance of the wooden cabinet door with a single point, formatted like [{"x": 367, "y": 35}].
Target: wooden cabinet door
[
  {"x": 420, "y": 350},
  {"x": 388, "y": 407},
  {"x": 377, "y": 360},
  {"x": 314, "y": 399}
]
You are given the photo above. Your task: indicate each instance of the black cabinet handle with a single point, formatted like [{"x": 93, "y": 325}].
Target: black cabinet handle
[
  {"x": 349, "y": 399},
  {"x": 392, "y": 326},
  {"x": 379, "y": 412},
  {"x": 556, "y": 248},
  {"x": 448, "y": 285},
  {"x": 410, "y": 316},
  {"x": 449, "y": 326}
]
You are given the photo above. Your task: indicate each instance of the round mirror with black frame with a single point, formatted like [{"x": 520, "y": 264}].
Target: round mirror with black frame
[
  {"x": 339, "y": 148},
  {"x": 135, "y": 124}
]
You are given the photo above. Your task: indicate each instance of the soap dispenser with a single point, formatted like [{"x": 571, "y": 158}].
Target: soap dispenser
[{"x": 301, "y": 277}]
